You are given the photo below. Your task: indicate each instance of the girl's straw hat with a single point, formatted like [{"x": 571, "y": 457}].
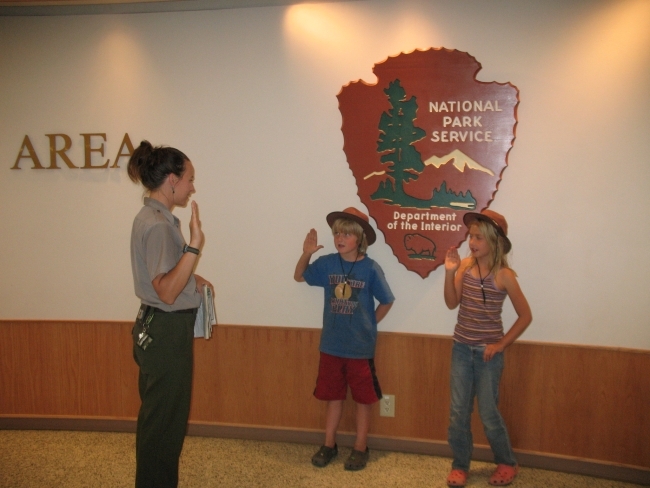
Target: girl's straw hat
[
  {"x": 357, "y": 216},
  {"x": 497, "y": 220}
]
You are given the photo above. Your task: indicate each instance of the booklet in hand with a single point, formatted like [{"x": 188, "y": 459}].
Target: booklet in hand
[{"x": 206, "y": 317}]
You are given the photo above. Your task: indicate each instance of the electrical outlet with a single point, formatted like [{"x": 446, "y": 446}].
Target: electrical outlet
[{"x": 387, "y": 406}]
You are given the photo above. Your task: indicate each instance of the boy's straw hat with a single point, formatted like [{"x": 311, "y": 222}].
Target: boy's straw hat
[
  {"x": 497, "y": 220},
  {"x": 359, "y": 217}
]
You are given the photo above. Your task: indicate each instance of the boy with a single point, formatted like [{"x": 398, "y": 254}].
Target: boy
[{"x": 352, "y": 281}]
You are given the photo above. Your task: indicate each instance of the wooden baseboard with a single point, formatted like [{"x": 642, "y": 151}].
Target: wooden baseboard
[{"x": 552, "y": 462}]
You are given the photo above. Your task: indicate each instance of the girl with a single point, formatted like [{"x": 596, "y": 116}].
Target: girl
[
  {"x": 480, "y": 284},
  {"x": 164, "y": 279}
]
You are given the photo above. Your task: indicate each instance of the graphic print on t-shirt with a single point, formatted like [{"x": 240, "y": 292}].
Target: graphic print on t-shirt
[{"x": 341, "y": 305}]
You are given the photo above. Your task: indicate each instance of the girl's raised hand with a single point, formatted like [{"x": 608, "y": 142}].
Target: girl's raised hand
[
  {"x": 452, "y": 259},
  {"x": 310, "y": 246}
]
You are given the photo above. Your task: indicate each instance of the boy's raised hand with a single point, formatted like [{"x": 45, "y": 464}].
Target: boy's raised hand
[
  {"x": 452, "y": 259},
  {"x": 310, "y": 246}
]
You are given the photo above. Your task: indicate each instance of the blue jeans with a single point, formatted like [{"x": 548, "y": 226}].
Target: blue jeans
[{"x": 471, "y": 376}]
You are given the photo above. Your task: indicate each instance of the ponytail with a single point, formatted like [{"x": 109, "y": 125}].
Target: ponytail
[{"x": 138, "y": 161}]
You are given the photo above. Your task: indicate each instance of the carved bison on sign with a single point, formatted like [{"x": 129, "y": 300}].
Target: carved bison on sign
[{"x": 418, "y": 244}]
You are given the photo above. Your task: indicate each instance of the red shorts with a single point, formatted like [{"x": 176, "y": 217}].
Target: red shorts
[{"x": 336, "y": 373}]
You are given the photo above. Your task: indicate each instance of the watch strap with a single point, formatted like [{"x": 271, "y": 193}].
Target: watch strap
[{"x": 193, "y": 250}]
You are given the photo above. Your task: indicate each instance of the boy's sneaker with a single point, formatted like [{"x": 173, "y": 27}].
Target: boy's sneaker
[
  {"x": 324, "y": 455},
  {"x": 357, "y": 460}
]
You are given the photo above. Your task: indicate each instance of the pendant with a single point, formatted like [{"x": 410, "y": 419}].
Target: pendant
[{"x": 343, "y": 291}]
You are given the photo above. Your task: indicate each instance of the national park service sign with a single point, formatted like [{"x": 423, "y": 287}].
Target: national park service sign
[{"x": 426, "y": 144}]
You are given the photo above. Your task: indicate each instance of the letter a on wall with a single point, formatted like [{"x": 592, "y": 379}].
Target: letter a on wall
[{"x": 426, "y": 144}]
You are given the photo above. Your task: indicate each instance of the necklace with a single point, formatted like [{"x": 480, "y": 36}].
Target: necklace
[
  {"x": 480, "y": 277},
  {"x": 344, "y": 290}
]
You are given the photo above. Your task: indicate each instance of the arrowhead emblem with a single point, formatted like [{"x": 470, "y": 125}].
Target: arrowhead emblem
[{"x": 426, "y": 144}]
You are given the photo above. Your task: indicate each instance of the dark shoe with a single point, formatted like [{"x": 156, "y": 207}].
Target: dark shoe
[
  {"x": 357, "y": 460},
  {"x": 324, "y": 455}
]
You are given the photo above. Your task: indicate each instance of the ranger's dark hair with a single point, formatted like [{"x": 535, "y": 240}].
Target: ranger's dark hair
[{"x": 151, "y": 165}]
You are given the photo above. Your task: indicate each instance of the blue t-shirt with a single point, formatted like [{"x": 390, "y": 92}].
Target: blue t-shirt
[{"x": 349, "y": 326}]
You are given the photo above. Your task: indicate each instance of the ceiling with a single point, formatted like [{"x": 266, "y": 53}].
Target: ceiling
[{"x": 78, "y": 7}]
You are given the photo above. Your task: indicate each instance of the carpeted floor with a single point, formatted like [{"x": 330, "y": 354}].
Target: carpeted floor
[{"x": 44, "y": 459}]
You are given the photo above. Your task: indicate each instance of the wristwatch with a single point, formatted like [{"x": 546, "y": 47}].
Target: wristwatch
[{"x": 193, "y": 250}]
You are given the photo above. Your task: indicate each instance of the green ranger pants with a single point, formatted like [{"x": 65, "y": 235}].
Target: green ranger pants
[{"x": 165, "y": 385}]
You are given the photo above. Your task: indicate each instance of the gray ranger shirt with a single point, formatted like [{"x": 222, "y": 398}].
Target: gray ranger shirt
[{"x": 156, "y": 247}]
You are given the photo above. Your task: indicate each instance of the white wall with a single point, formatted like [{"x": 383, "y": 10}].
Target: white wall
[{"x": 250, "y": 96}]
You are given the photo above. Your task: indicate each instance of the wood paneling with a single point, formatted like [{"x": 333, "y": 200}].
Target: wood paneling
[
  {"x": 67, "y": 368},
  {"x": 585, "y": 402},
  {"x": 598, "y": 404},
  {"x": 522, "y": 394},
  {"x": 258, "y": 376}
]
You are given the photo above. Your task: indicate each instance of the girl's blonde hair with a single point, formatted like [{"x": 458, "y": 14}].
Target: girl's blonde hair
[
  {"x": 347, "y": 226},
  {"x": 498, "y": 258}
]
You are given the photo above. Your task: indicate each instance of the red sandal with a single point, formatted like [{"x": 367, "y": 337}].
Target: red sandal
[
  {"x": 503, "y": 475},
  {"x": 457, "y": 477}
]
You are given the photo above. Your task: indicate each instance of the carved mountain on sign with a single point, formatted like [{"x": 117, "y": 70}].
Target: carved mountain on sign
[
  {"x": 460, "y": 159},
  {"x": 440, "y": 174}
]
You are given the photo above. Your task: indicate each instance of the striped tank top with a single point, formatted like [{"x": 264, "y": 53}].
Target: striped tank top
[{"x": 479, "y": 323}]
